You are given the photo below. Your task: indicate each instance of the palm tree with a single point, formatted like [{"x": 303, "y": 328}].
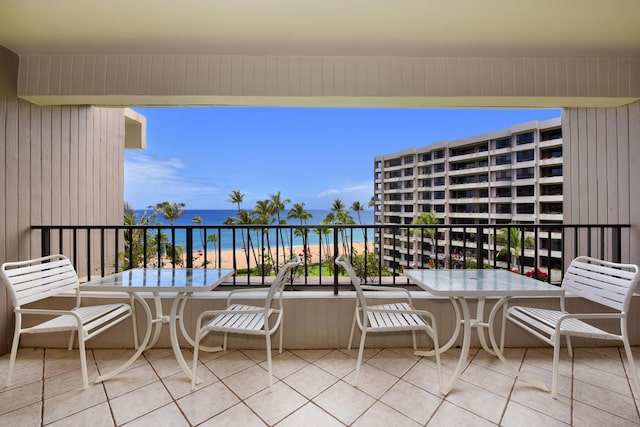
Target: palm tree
[
  {"x": 342, "y": 217},
  {"x": 213, "y": 239},
  {"x": 262, "y": 214},
  {"x": 372, "y": 202},
  {"x": 300, "y": 213},
  {"x": 170, "y": 211},
  {"x": 278, "y": 204},
  {"x": 237, "y": 198},
  {"x": 512, "y": 239},
  {"x": 247, "y": 218},
  {"x": 198, "y": 220},
  {"x": 358, "y": 207},
  {"x": 133, "y": 255},
  {"x": 425, "y": 218}
]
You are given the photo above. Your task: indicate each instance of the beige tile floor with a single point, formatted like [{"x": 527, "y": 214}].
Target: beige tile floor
[{"x": 315, "y": 388}]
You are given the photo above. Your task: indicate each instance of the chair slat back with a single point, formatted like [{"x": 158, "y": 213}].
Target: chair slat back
[
  {"x": 37, "y": 279},
  {"x": 607, "y": 283},
  {"x": 343, "y": 262},
  {"x": 280, "y": 281}
]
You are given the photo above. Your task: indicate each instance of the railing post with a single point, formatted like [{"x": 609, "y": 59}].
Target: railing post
[
  {"x": 616, "y": 242},
  {"x": 45, "y": 242},
  {"x": 335, "y": 267},
  {"x": 479, "y": 248},
  {"x": 189, "y": 249}
]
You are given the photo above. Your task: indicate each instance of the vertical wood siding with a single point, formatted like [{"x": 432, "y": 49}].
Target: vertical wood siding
[
  {"x": 58, "y": 165},
  {"x": 98, "y": 77},
  {"x": 601, "y": 152}
]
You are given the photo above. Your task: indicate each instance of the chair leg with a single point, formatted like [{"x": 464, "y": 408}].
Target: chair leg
[
  {"x": 632, "y": 365},
  {"x": 413, "y": 336},
  {"x": 14, "y": 353},
  {"x": 280, "y": 333},
  {"x": 556, "y": 361},
  {"x": 196, "y": 346},
  {"x": 134, "y": 322},
  {"x": 436, "y": 350},
  {"x": 569, "y": 347},
  {"x": 504, "y": 326},
  {"x": 353, "y": 326},
  {"x": 72, "y": 335},
  {"x": 360, "y": 353},
  {"x": 269, "y": 363},
  {"x": 83, "y": 359}
]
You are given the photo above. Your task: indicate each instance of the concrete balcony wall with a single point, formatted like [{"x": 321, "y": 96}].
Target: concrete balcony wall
[{"x": 321, "y": 320}]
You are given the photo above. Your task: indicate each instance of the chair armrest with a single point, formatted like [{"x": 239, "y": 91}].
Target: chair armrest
[
  {"x": 48, "y": 312},
  {"x": 386, "y": 288},
  {"x": 581, "y": 316},
  {"x": 239, "y": 291},
  {"x": 211, "y": 313}
]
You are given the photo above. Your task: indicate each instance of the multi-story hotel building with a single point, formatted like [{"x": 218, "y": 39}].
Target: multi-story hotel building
[{"x": 508, "y": 176}]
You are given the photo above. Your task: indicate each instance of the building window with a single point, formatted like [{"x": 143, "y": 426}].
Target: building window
[
  {"x": 525, "y": 173},
  {"x": 503, "y": 208},
  {"x": 504, "y": 159},
  {"x": 525, "y": 156},
  {"x": 503, "y": 143},
  {"x": 550, "y": 134},
  {"x": 503, "y": 192},
  {"x": 503, "y": 176},
  {"x": 551, "y": 153},
  {"x": 524, "y": 138},
  {"x": 408, "y": 160},
  {"x": 551, "y": 190},
  {"x": 526, "y": 191},
  {"x": 525, "y": 208},
  {"x": 408, "y": 196},
  {"x": 551, "y": 171},
  {"x": 426, "y": 157},
  {"x": 408, "y": 172},
  {"x": 438, "y": 154},
  {"x": 551, "y": 208},
  {"x": 438, "y": 168},
  {"x": 438, "y": 195},
  {"x": 438, "y": 181}
]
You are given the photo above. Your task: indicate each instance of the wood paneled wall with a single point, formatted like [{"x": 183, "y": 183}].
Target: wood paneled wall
[
  {"x": 101, "y": 79},
  {"x": 59, "y": 165},
  {"x": 601, "y": 152}
]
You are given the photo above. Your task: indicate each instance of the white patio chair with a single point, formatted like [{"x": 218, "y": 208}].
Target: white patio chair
[
  {"x": 391, "y": 317},
  {"x": 606, "y": 283},
  {"x": 41, "y": 278},
  {"x": 247, "y": 319}
]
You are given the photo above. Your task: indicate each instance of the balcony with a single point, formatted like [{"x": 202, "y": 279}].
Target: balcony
[{"x": 315, "y": 387}]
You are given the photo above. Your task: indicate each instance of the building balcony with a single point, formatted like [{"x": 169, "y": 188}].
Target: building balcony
[
  {"x": 312, "y": 384},
  {"x": 551, "y": 216},
  {"x": 550, "y": 161},
  {"x": 550, "y": 180},
  {"x": 469, "y": 171},
  {"x": 551, "y": 199}
]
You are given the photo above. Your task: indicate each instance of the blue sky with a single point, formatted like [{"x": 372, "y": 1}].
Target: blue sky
[{"x": 198, "y": 155}]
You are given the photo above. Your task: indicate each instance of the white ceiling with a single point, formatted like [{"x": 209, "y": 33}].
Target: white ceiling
[{"x": 324, "y": 27}]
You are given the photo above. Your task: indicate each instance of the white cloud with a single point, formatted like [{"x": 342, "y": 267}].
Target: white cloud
[
  {"x": 150, "y": 180},
  {"x": 359, "y": 192}
]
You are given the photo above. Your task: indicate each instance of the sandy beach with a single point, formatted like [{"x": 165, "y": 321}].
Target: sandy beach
[{"x": 226, "y": 256}]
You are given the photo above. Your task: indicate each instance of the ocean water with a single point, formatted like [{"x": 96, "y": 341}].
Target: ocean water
[{"x": 215, "y": 217}]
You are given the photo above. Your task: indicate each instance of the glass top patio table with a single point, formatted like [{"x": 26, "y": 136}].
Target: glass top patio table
[
  {"x": 460, "y": 285},
  {"x": 480, "y": 283},
  {"x": 181, "y": 282},
  {"x": 162, "y": 279}
]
